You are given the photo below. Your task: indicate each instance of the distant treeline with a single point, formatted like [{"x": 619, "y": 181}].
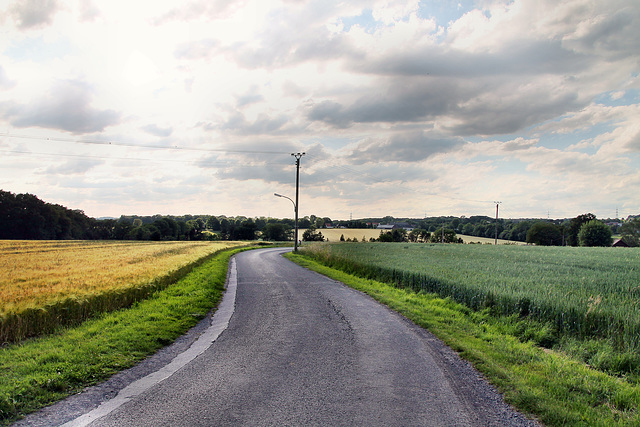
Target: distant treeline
[
  {"x": 557, "y": 232},
  {"x": 24, "y": 216}
]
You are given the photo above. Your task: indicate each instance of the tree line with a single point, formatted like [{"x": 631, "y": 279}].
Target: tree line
[
  {"x": 24, "y": 216},
  {"x": 583, "y": 230}
]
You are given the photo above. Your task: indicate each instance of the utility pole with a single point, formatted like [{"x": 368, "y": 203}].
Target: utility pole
[
  {"x": 297, "y": 157},
  {"x": 497, "y": 204}
]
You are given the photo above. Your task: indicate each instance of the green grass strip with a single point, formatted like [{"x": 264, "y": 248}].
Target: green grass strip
[
  {"x": 41, "y": 371},
  {"x": 550, "y": 386}
]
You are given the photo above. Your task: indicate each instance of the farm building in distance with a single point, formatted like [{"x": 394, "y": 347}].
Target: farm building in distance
[
  {"x": 619, "y": 243},
  {"x": 395, "y": 226}
]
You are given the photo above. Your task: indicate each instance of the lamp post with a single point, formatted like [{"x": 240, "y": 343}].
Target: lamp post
[
  {"x": 295, "y": 210},
  {"x": 295, "y": 204}
]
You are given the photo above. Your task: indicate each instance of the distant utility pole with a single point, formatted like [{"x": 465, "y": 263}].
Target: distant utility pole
[
  {"x": 497, "y": 205},
  {"x": 297, "y": 157}
]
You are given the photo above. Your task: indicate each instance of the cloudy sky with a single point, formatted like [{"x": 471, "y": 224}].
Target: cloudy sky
[{"x": 403, "y": 108}]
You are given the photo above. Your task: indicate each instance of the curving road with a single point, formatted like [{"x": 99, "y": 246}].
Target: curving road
[{"x": 299, "y": 349}]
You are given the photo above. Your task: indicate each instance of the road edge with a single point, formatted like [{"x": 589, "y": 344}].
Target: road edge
[{"x": 97, "y": 401}]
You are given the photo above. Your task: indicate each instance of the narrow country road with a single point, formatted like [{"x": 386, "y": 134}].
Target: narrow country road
[{"x": 301, "y": 349}]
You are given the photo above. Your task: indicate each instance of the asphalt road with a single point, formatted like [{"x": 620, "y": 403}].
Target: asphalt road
[{"x": 299, "y": 349}]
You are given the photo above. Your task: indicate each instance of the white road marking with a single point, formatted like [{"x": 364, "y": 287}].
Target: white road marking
[{"x": 219, "y": 323}]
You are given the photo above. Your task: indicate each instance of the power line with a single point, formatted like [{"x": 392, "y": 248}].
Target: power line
[
  {"x": 88, "y": 156},
  {"x": 130, "y": 144},
  {"x": 332, "y": 165}
]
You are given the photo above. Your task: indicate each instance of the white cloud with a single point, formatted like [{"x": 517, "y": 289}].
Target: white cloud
[{"x": 519, "y": 100}]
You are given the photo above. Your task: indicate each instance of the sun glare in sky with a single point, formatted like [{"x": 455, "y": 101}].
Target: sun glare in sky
[{"x": 404, "y": 108}]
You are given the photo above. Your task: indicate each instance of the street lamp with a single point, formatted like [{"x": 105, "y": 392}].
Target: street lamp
[
  {"x": 297, "y": 156},
  {"x": 295, "y": 210}
]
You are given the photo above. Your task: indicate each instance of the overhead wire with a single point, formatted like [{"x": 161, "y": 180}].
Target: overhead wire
[
  {"x": 198, "y": 162},
  {"x": 130, "y": 144},
  {"x": 323, "y": 170}
]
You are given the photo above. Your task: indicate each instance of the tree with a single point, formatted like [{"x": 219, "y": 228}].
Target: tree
[
  {"x": 519, "y": 231},
  {"x": 595, "y": 233},
  {"x": 246, "y": 230},
  {"x": 395, "y": 235},
  {"x": 630, "y": 232},
  {"x": 311, "y": 235},
  {"x": 544, "y": 234},
  {"x": 304, "y": 222},
  {"x": 575, "y": 224},
  {"x": 213, "y": 223},
  {"x": 276, "y": 232},
  {"x": 419, "y": 235},
  {"x": 467, "y": 229},
  {"x": 449, "y": 236}
]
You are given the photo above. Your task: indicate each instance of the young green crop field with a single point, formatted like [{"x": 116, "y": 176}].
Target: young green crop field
[
  {"x": 579, "y": 293},
  {"x": 557, "y": 387}
]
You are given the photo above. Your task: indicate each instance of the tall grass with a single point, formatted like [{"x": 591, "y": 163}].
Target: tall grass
[
  {"x": 46, "y": 285},
  {"x": 584, "y": 292}
]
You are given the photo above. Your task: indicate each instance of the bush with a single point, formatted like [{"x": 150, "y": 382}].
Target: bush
[
  {"x": 595, "y": 233},
  {"x": 544, "y": 234}
]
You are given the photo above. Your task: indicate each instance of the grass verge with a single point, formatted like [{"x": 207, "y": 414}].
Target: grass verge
[
  {"x": 40, "y": 371},
  {"x": 550, "y": 386}
]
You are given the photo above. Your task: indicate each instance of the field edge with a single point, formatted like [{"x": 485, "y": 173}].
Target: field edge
[
  {"x": 546, "y": 385},
  {"x": 40, "y": 371}
]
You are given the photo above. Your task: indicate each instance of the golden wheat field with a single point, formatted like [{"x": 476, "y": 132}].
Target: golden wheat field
[
  {"x": 333, "y": 235},
  {"x": 33, "y": 273}
]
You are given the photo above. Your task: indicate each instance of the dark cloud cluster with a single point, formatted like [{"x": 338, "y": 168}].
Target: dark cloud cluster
[
  {"x": 66, "y": 107},
  {"x": 391, "y": 100},
  {"x": 34, "y": 13},
  {"x": 517, "y": 58},
  {"x": 414, "y": 146}
]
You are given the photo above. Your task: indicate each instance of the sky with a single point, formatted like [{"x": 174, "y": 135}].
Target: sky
[{"x": 402, "y": 108}]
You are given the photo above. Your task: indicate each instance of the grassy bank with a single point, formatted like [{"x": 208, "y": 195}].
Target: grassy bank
[
  {"x": 555, "y": 388},
  {"x": 40, "y": 371}
]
